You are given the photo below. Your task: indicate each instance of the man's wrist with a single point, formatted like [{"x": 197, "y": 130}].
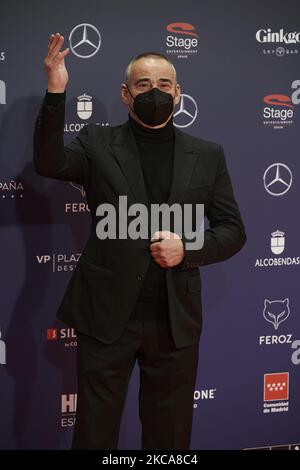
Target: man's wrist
[
  {"x": 56, "y": 90},
  {"x": 54, "y": 99}
]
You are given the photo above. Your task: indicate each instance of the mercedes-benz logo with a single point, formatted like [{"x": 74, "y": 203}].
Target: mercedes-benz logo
[
  {"x": 278, "y": 179},
  {"x": 85, "y": 40},
  {"x": 187, "y": 112}
]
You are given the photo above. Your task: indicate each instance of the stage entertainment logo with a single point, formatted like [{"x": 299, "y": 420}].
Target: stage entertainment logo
[
  {"x": 182, "y": 40},
  {"x": 279, "y": 109}
]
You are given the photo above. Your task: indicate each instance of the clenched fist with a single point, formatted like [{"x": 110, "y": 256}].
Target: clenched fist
[{"x": 167, "y": 252}]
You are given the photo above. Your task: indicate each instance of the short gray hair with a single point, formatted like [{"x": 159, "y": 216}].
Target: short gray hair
[{"x": 144, "y": 55}]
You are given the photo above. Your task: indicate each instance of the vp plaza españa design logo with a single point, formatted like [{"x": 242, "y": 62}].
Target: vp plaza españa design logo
[
  {"x": 85, "y": 40},
  {"x": 187, "y": 112},
  {"x": 278, "y": 179}
]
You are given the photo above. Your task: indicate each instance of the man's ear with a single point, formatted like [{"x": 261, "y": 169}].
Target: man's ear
[
  {"x": 124, "y": 93},
  {"x": 177, "y": 93}
]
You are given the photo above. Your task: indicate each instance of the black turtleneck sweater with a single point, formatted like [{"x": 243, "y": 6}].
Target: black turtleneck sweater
[{"x": 156, "y": 150}]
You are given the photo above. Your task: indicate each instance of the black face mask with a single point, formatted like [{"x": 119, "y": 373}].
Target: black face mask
[{"x": 153, "y": 107}]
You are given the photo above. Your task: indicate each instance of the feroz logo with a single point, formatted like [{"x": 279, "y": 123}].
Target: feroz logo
[
  {"x": 2, "y": 92},
  {"x": 276, "y": 311},
  {"x": 276, "y": 386},
  {"x": 278, "y": 179},
  {"x": 78, "y": 187},
  {"x": 85, "y": 40},
  {"x": 187, "y": 113},
  {"x": 77, "y": 207}
]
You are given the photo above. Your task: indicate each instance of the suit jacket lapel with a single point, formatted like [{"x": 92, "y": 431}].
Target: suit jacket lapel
[{"x": 125, "y": 149}]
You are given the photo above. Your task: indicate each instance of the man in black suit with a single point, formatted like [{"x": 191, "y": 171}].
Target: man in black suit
[{"x": 137, "y": 298}]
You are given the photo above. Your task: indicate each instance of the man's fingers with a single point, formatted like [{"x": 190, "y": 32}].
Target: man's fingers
[
  {"x": 55, "y": 46},
  {"x": 61, "y": 55},
  {"x": 53, "y": 40},
  {"x": 155, "y": 247},
  {"x": 159, "y": 235},
  {"x": 50, "y": 40},
  {"x": 65, "y": 52}
]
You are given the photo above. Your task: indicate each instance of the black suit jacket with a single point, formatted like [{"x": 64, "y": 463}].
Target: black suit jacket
[{"x": 105, "y": 285}]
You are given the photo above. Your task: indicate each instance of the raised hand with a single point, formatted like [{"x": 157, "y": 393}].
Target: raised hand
[{"x": 56, "y": 72}]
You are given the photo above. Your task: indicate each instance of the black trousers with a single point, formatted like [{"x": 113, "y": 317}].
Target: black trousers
[{"x": 167, "y": 382}]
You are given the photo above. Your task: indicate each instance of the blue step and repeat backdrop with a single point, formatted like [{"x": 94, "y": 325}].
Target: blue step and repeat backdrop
[{"x": 238, "y": 66}]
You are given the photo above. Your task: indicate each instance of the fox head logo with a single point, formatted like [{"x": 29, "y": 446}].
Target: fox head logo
[{"x": 276, "y": 311}]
